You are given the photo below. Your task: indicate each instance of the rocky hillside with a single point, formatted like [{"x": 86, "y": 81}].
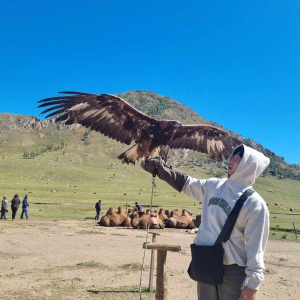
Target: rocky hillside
[{"x": 28, "y": 134}]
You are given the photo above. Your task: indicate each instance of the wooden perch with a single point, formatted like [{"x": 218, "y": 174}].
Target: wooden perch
[
  {"x": 161, "y": 276},
  {"x": 162, "y": 247}
]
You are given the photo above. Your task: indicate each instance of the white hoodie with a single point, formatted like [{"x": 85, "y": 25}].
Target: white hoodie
[{"x": 248, "y": 240}]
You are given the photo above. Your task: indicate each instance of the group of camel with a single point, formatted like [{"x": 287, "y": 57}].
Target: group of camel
[{"x": 160, "y": 220}]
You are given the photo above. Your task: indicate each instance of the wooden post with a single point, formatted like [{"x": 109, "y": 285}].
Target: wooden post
[
  {"x": 161, "y": 274},
  {"x": 154, "y": 234},
  {"x": 295, "y": 231}
]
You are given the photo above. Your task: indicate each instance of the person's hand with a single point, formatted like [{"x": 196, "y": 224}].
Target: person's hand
[
  {"x": 248, "y": 294},
  {"x": 150, "y": 164},
  {"x": 157, "y": 166}
]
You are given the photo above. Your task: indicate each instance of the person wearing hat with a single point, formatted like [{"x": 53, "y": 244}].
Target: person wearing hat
[
  {"x": 4, "y": 206},
  {"x": 25, "y": 206},
  {"x": 15, "y": 203}
]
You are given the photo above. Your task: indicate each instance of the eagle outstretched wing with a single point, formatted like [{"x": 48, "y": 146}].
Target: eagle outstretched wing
[
  {"x": 214, "y": 141},
  {"x": 108, "y": 114},
  {"x": 117, "y": 119}
]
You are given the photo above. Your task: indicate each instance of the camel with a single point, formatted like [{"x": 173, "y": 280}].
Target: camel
[
  {"x": 134, "y": 210},
  {"x": 188, "y": 216},
  {"x": 181, "y": 221},
  {"x": 197, "y": 221},
  {"x": 105, "y": 220},
  {"x": 112, "y": 219},
  {"x": 162, "y": 215},
  {"x": 143, "y": 221},
  {"x": 172, "y": 221},
  {"x": 167, "y": 212},
  {"x": 110, "y": 211},
  {"x": 129, "y": 211}
]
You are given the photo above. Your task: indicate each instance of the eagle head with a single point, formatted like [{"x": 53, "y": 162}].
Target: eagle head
[
  {"x": 169, "y": 124},
  {"x": 176, "y": 123}
]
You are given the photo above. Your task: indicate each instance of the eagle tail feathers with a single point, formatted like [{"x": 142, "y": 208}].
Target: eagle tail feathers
[{"x": 130, "y": 155}]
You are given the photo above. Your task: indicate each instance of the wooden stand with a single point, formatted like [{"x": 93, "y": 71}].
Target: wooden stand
[
  {"x": 154, "y": 234},
  {"x": 161, "y": 274}
]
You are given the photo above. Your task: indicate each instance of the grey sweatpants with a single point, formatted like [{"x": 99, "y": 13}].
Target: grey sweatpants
[{"x": 230, "y": 289}]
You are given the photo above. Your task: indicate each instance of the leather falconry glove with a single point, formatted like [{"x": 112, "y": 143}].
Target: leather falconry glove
[{"x": 157, "y": 165}]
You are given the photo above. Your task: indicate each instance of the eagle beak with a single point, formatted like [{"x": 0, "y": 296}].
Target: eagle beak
[{"x": 178, "y": 124}]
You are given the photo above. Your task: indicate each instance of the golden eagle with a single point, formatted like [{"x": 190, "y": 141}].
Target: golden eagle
[{"x": 117, "y": 119}]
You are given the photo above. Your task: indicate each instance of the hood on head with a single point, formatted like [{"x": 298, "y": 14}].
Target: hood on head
[{"x": 251, "y": 166}]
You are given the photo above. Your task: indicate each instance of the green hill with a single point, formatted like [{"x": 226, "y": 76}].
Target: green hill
[{"x": 66, "y": 169}]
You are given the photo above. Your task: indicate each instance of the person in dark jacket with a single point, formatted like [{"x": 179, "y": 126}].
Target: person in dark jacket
[
  {"x": 98, "y": 210},
  {"x": 15, "y": 203},
  {"x": 138, "y": 206},
  {"x": 25, "y": 206},
  {"x": 4, "y": 206}
]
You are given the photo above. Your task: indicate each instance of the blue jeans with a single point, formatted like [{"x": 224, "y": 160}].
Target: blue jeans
[
  {"x": 25, "y": 210},
  {"x": 3, "y": 215},
  {"x": 98, "y": 212}
]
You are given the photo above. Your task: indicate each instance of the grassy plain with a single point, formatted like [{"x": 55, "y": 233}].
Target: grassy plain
[{"x": 65, "y": 184}]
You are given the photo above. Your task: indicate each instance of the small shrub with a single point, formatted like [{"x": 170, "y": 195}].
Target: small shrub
[{"x": 89, "y": 264}]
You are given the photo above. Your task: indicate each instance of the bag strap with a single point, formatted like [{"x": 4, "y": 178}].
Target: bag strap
[{"x": 231, "y": 219}]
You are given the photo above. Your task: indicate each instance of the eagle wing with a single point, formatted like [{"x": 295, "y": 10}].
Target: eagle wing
[
  {"x": 211, "y": 140},
  {"x": 108, "y": 114}
]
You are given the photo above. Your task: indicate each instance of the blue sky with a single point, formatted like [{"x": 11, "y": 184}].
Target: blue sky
[{"x": 236, "y": 63}]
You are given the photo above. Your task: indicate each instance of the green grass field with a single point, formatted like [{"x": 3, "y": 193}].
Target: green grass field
[{"x": 66, "y": 184}]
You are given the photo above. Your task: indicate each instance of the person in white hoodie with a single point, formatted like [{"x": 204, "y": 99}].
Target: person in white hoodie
[{"x": 244, "y": 251}]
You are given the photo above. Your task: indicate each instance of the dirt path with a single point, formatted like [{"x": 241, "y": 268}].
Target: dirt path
[{"x": 79, "y": 260}]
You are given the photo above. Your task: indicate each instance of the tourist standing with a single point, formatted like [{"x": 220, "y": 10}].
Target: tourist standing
[
  {"x": 15, "y": 203},
  {"x": 243, "y": 260},
  {"x": 25, "y": 206},
  {"x": 98, "y": 209},
  {"x": 4, "y": 206},
  {"x": 138, "y": 206}
]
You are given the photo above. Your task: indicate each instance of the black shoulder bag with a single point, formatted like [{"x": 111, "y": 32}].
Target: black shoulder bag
[{"x": 207, "y": 261}]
